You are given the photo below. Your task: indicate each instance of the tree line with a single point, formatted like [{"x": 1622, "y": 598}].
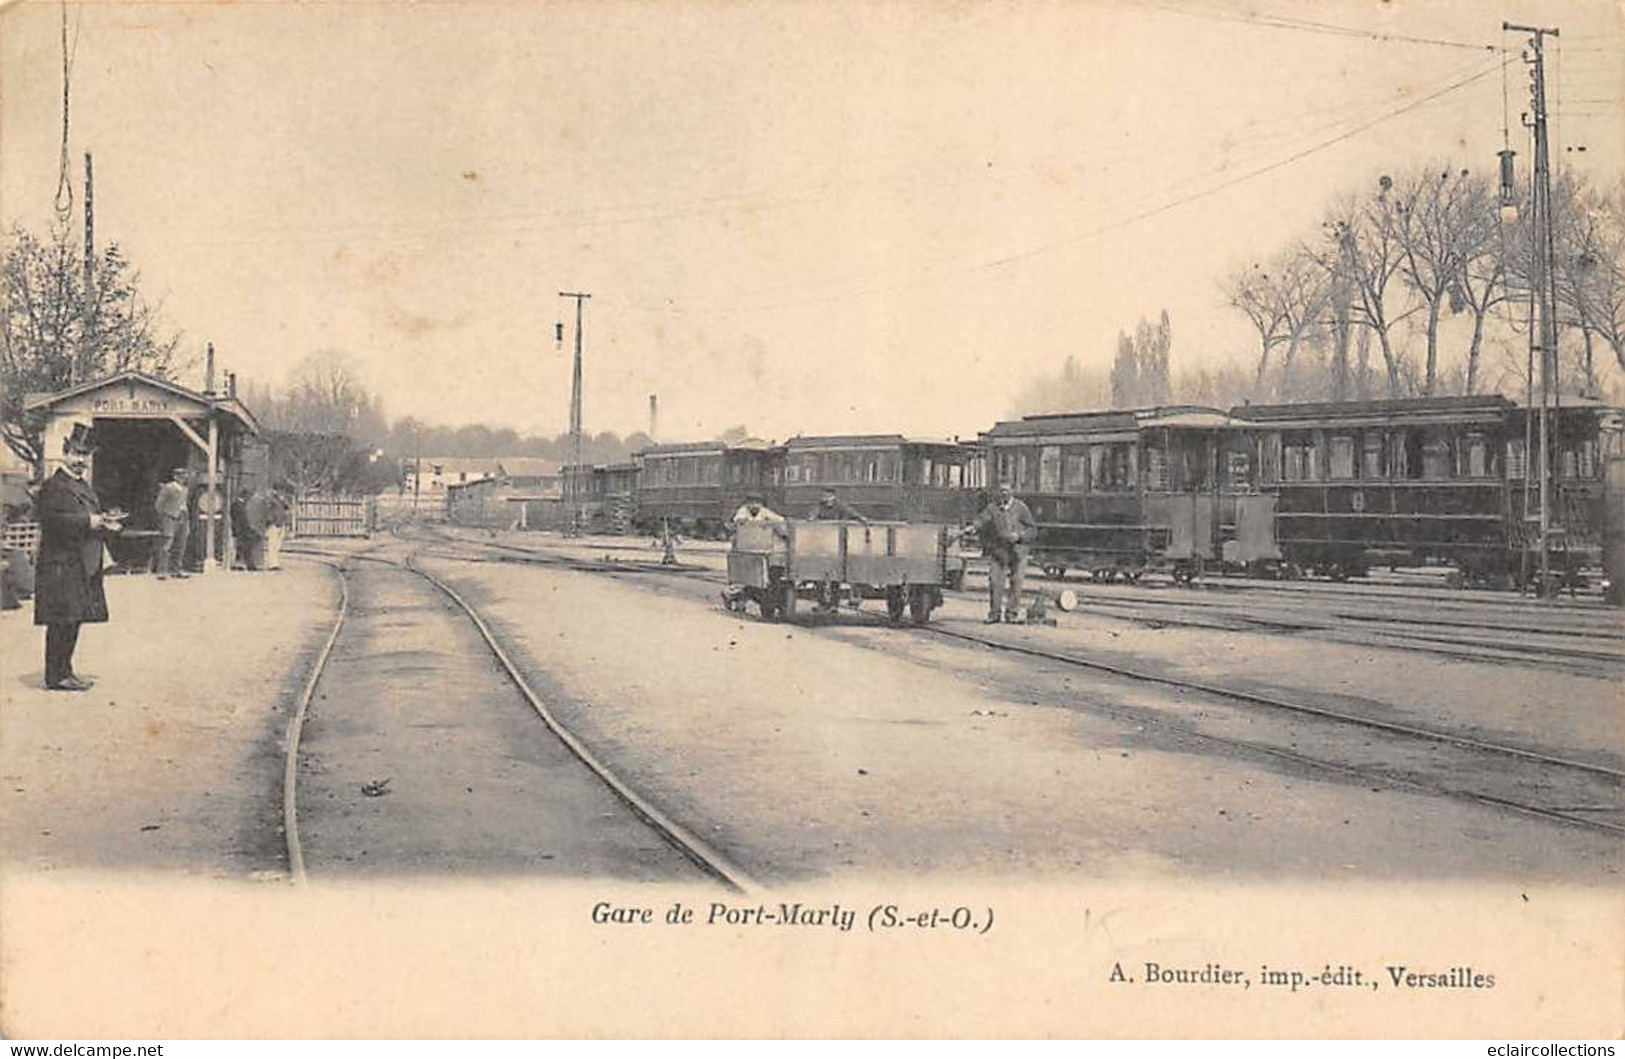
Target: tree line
[
  {"x": 1418, "y": 286},
  {"x": 1364, "y": 306}
]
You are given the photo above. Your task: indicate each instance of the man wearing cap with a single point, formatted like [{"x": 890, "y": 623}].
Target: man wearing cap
[
  {"x": 173, "y": 524},
  {"x": 754, "y": 510},
  {"x": 68, "y": 584},
  {"x": 831, "y": 508},
  {"x": 1005, "y": 527}
]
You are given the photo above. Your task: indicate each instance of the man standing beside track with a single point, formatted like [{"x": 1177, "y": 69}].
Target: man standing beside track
[
  {"x": 173, "y": 525},
  {"x": 1005, "y": 527}
]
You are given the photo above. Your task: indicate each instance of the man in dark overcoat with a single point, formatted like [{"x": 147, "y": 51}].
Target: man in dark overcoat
[{"x": 68, "y": 581}]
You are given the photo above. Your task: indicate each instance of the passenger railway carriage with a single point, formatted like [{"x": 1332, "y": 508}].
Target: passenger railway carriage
[
  {"x": 696, "y": 487},
  {"x": 1329, "y": 488},
  {"x": 1116, "y": 493},
  {"x": 883, "y": 476},
  {"x": 1441, "y": 480}
]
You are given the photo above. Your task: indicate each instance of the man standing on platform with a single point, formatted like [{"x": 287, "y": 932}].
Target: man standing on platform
[
  {"x": 1005, "y": 527},
  {"x": 174, "y": 524},
  {"x": 68, "y": 584}
]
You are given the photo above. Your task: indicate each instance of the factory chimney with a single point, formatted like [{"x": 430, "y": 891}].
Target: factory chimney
[{"x": 654, "y": 417}]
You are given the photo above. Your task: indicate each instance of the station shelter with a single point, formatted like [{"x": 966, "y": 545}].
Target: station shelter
[{"x": 146, "y": 427}]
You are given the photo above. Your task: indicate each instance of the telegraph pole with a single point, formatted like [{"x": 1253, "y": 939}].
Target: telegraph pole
[
  {"x": 1546, "y": 308},
  {"x": 572, "y": 484}
]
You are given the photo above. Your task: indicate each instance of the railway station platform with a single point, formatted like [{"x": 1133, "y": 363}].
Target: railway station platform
[{"x": 172, "y": 762}]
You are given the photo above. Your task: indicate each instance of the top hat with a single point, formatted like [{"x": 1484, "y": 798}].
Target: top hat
[{"x": 82, "y": 439}]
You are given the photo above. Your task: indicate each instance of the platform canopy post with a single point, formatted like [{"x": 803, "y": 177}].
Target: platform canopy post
[{"x": 211, "y": 491}]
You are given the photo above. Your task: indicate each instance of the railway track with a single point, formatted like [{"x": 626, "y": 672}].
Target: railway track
[
  {"x": 321, "y": 681},
  {"x": 1575, "y": 793},
  {"x": 1424, "y": 637},
  {"x": 1586, "y": 787}
]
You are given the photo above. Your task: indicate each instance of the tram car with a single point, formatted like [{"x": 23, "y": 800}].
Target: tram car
[
  {"x": 1117, "y": 493},
  {"x": 695, "y": 487},
  {"x": 1430, "y": 481},
  {"x": 884, "y": 476},
  {"x": 779, "y": 565}
]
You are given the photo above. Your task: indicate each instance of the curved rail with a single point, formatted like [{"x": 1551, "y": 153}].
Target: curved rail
[
  {"x": 296, "y": 727},
  {"x": 695, "y": 849}
]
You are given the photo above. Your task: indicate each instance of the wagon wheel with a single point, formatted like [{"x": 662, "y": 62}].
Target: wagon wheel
[
  {"x": 919, "y": 604},
  {"x": 896, "y": 602}
]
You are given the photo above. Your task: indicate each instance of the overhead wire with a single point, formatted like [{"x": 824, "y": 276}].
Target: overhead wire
[
  {"x": 1286, "y": 22},
  {"x": 1142, "y": 215}
]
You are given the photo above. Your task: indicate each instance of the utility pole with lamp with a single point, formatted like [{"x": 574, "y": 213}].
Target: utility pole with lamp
[{"x": 1545, "y": 337}]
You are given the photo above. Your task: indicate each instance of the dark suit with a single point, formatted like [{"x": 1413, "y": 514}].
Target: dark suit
[
  {"x": 1005, "y": 533},
  {"x": 68, "y": 581}
]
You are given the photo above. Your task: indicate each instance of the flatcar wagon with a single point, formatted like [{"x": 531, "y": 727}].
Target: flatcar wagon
[
  {"x": 777, "y": 565},
  {"x": 695, "y": 487},
  {"x": 1441, "y": 480},
  {"x": 1119, "y": 492},
  {"x": 883, "y": 476}
]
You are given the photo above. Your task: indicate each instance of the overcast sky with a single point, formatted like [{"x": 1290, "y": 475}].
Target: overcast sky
[{"x": 820, "y": 218}]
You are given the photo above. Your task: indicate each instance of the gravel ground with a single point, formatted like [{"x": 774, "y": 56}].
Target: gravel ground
[
  {"x": 172, "y": 762},
  {"x": 805, "y": 758}
]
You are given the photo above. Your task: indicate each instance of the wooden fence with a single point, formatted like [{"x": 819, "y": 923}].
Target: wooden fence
[
  {"x": 333, "y": 516},
  {"x": 23, "y": 536}
]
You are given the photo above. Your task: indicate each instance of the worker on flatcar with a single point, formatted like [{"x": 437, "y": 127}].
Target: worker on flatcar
[
  {"x": 831, "y": 508},
  {"x": 755, "y": 510},
  {"x": 1005, "y": 527}
]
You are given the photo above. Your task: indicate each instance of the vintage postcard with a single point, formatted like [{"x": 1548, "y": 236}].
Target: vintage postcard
[{"x": 1100, "y": 518}]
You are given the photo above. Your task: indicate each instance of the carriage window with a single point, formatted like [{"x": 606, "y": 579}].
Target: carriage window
[
  {"x": 1112, "y": 467},
  {"x": 1476, "y": 454},
  {"x": 1436, "y": 458},
  {"x": 1005, "y": 466},
  {"x": 1075, "y": 471},
  {"x": 1586, "y": 459},
  {"x": 1239, "y": 470},
  {"x": 1156, "y": 469},
  {"x": 1342, "y": 457},
  {"x": 1299, "y": 461},
  {"x": 1269, "y": 457},
  {"x": 1049, "y": 469},
  {"x": 1372, "y": 464}
]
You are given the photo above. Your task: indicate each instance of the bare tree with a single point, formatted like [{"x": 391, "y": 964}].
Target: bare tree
[
  {"x": 1363, "y": 248},
  {"x": 1588, "y": 279},
  {"x": 53, "y": 329},
  {"x": 1444, "y": 219}
]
